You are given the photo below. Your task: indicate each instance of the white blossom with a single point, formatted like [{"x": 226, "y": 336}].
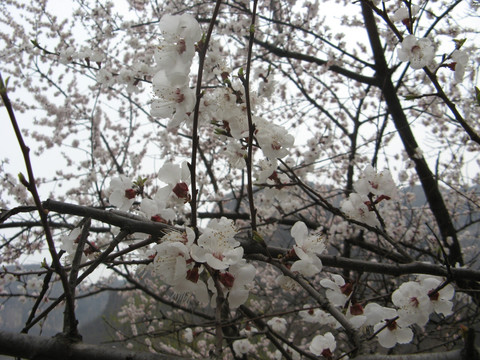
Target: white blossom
[
  {"x": 273, "y": 139},
  {"x": 217, "y": 246},
  {"x": 105, "y": 77},
  {"x": 177, "y": 178},
  {"x": 243, "y": 275},
  {"x": 419, "y": 52},
  {"x": 235, "y": 154},
  {"x": 404, "y": 13},
  {"x": 378, "y": 184},
  {"x": 384, "y": 322},
  {"x": 278, "y": 324},
  {"x": 338, "y": 291},
  {"x": 355, "y": 208},
  {"x": 242, "y": 347},
  {"x": 371, "y": 188},
  {"x": 121, "y": 192},
  {"x": 442, "y": 299},
  {"x": 67, "y": 56},
  {"x": 318, "y": 316},
  {"x": 235, "y": 283},
  {"x": 413, "y": 302},
  {"x": 392, "y": 334},
  {"x": 376, "y": 313},
  {"x": 170, "y": 261},
  {"x": 323, "y": 344},
  {"x": 174, "y": 101},
  {"x": 460, "y": 61},
  {"x": 307, "y": 248},
  {"x": 155, "y": 209}
]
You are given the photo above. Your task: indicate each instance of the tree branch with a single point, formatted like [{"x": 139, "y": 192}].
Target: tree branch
[
  {"x": 311, "y": 59},
  {"x": 430, "y": 186},
  {"x": 58, "y": 348}
]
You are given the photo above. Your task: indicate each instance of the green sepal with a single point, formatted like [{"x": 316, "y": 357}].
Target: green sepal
[
  {"x": 459, "y": 43},
  {"x": 258, "y": 238}
]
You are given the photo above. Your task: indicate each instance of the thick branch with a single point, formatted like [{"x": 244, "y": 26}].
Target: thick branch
[
  {"x": 311, "y": 59},
  {"x": 251, "y": 247},
  {"x": 42, "y": 348},
  {"x": 430, "y": 186},
  {"x": 458, "y": 274},
  {"x": 445, "y": 355},
  {"x": 125, "y": 221}
]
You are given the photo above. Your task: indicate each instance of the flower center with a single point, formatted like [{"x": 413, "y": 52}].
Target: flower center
[
  {"x": 179, "y": 96},
  {"x": 414, "y": 301}
]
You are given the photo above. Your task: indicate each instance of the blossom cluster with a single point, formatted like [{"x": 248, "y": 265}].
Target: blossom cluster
[
  {"x": 371, "y": 189},
  {"x": 180, "y": 259},
  {"x": 420, "y": 52},
  {"x": 179, "y": 262},
  {"x": 174, "y": 98},
  {"x": 414, "y": 302}
]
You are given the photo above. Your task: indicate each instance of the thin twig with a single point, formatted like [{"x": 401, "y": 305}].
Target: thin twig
[
  {"x": 32, "y": 188},
  {"x": 203, "y": 47},
  {"x": 251, "y": 125}
]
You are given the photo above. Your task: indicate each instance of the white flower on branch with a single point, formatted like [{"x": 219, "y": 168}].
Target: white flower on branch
[
  {"x": 440, "y": 297},
  {"x": 122, "y": 194},
  {"x": 371, "y": 189},
  {"x": 242, "y": 347},
  {"x": 182, "y": 31},
  {"x": 177, "y": 178},
  {"x": 318, "y": 316},
  {"x": 170, "y": 261},
  {"x": 323, "y": 345},
  {"x": 404, "y": 14},
  {"x": 338, "y": 291},
  {"x": 355, "y": 208},
  {"x": 278, "y": 324},
  {"x": 175, "y": 100},
  {"x": 459, "y": 62},
  {"x": 273, "y": 139},
  {"x": 217, "y": 246},
  {"x": 384, "y": 322},
  {"x": 378, "y": 184},
  {"x": 391, "y": 333},
  {"x": 243, "y": 275},
  {"x": 105, "y": 77},
  {"x": 235, "y": 153},
  {"x": 67, "y": 55},
  {"x": 155, "y": 210},
  {"x": 413, "y": 302},
  {"x": 307, "y": 248},
  {"x": 173, "y": 263},
  {"x": 188, "y": 335},
  {"x": 235, "y": 283},
  {"x": 419, "y": 52}
]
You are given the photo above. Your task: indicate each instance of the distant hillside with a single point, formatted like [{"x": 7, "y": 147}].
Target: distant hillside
[{"x": 16, "y": 309}]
